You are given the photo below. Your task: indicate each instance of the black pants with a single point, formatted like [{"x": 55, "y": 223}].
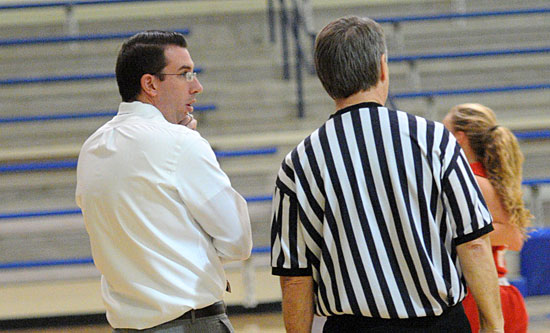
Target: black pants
[{"x": 451, "y": 320}]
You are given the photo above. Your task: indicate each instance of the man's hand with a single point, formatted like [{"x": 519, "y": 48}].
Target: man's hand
[
  {"x": 479, "y": 269},
  {"x": 189, "y": 121},
  {"x": 297, "y": 303}
]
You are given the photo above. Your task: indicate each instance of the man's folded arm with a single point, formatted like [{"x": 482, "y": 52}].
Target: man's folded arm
[{"x": 213, "y": 203}]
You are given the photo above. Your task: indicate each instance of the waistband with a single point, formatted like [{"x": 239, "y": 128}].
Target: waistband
[
  {"x": 211, "y": 310},
  {"x": 450, "y": 314}
]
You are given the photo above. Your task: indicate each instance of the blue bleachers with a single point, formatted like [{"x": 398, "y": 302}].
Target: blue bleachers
[
  {"x": 534, "y": 273},
  {"x": 535, "y": 263}
]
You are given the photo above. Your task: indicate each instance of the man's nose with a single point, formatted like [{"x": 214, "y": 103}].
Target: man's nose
[{"x": 196, "y": 87}]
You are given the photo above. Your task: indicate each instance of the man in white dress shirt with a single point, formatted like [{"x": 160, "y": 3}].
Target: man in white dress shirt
[{"x": 161, "y": 214}]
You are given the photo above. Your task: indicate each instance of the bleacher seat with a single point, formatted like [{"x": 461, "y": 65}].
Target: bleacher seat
[{"x": 535, "y": 262}]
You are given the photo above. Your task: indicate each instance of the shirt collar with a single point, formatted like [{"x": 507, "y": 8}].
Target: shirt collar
[
  {"x": 140, "y": 109},
  {"x": 355, "y": 107}
]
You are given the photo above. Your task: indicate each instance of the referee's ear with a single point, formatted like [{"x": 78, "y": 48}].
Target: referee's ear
[{"x": 384, "y": 70}]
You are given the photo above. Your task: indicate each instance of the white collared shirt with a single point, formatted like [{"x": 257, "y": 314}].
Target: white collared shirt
[{"x": 161, "y": 216}]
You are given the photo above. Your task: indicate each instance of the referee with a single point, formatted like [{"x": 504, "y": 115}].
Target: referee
[{"x": 377, "y": 220}]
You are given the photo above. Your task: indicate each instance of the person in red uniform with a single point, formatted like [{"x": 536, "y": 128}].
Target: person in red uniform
[{"x": 496, "y": 160}]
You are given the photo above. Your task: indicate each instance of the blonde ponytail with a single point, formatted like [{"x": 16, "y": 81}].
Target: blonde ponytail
[{"x": 497, "y": 148}]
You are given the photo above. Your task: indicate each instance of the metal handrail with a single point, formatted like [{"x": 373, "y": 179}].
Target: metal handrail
[
  {"x": 284, "y": 39},
  {"x": 298, "y": 23}
]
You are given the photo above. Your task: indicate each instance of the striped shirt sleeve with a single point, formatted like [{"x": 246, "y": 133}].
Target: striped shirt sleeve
[
  {"x": 468, "y": 212},
  {"x": 288, "y": 249}
]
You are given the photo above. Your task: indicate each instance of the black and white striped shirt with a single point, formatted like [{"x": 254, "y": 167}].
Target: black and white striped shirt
[{"x": 372, "y": 205}]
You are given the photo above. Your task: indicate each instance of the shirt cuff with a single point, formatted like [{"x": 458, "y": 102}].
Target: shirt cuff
[
  {"x": 474, "y": 235},
  {"x": 291, "y": 272}
]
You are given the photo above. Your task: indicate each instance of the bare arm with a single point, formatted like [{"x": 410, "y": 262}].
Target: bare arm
[
  {"x": 504, "y": 233},
  {"x": 480, "y": 272},
  {"x": 297, "y": 303}
]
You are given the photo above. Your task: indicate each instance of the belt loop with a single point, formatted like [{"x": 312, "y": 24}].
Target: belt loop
[{"x": 192, "y": 316}]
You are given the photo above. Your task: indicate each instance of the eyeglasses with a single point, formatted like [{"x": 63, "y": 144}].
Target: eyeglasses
[{"x": 189, "y": 76}]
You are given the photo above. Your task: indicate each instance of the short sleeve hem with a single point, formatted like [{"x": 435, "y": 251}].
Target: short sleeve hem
[
  {"x": 474, "y": 235},
  {"x": 291, "y": 272}
]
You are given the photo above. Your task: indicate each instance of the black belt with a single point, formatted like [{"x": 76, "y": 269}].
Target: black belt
[{"x": 211, "y": 310}]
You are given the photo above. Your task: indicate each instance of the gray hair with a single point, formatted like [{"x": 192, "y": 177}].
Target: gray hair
[{"x": 347, "y": 55}]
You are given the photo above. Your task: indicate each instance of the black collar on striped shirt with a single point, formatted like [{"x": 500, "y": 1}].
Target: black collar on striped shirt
[{"x": 354, "y": 107}]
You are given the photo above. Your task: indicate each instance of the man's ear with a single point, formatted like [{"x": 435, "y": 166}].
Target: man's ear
[
  {"x": 149, "y": 84},
  {"x": 383, "y": 68}
]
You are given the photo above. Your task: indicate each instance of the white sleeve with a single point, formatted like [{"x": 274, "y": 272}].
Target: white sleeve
[{"x": 206, "y": 191}]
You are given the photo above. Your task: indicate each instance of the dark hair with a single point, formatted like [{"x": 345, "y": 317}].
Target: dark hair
[
  {"x": 143, "y": 54},
  {"x": 347, "y": 55}
]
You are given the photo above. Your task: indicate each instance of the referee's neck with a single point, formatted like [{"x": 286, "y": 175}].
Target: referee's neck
[{"x": 364, "y": 96}]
